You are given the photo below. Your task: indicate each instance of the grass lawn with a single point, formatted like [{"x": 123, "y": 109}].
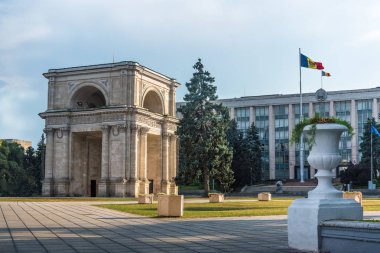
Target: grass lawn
[
  {"x": 227, "y": 209},
  {"x": 202, "y": 210},
  {"x": 63, "y": 199}
]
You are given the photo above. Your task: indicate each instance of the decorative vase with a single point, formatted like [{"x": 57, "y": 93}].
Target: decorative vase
[
  {"x": 324, "y": 202},
  {"x": 324, "y": 156}
]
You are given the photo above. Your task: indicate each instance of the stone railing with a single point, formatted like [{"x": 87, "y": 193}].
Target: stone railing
[{"x": 349, "y": 236}]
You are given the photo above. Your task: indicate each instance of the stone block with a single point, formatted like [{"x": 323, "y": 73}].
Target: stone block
[
  {"x": 264, "y": 196},
  {"x": 103, "y": 190},
  {"x": 170, "y": 205},
  {"x": 357, "y": 196},
  {"x": 120, "y": 189},
  {"x": 216, "y": 197},
  {"x": 145, "y": 199},
  {"x": 305, "y": 216},
  {"x": 47, "y": 188}
]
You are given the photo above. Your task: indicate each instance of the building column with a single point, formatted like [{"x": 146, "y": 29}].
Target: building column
[
  {"x": 232, "y": 113},
  {"x": 165, "y": 184},
  {"x": 311, "y": 109},
  {"x": 144, "y": 182},
  {"x": 354, "y": 139},
  {"x": 103, "y": 185},
  {"x": 252, "y": 115},
  {"x": 48, "y": 182},
  {"x": 133, "y": 181},
  {"x": 63, "y": 155},
  {"x": 292, "y": 148},
  {"x": 375, "y": 110},
  {"x": 272, "y": 144},
  {"x": 332, "y": 109}
]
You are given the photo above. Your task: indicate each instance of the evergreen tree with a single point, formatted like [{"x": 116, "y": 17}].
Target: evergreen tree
[
  {"x": 253, "y": 145},
  {"x": 202, "y": 131},
  {"x": 365, "y": 145}
]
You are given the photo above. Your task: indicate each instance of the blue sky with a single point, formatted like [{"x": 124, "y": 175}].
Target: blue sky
[{"x": 249, "y": 46}]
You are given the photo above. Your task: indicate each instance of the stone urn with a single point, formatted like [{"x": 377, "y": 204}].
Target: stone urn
[
  {"x": 324, "y": 156},
  {"x": 324, "y": 202}
]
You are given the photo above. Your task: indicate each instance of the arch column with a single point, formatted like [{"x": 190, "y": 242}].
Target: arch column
[
  {"x": 165, "y": 183},
  {"x": 144, "y": 182},
  {"x": 133, "y": 181},
  {"x": 61, "y": 154},
  {"x": 173, "y": 164},
  {"x": 103, "y": 190},
  {"x": 48, "y": 183}
]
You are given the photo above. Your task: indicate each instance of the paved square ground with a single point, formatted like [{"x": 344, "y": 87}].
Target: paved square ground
[{"x": 80, "y": 227}]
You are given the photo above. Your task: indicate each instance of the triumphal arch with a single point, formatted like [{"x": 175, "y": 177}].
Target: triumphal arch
[{"x": 110, "y": 131}]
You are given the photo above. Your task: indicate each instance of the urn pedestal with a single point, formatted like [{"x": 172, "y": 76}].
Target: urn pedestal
[{"x": 324, "y": 202}]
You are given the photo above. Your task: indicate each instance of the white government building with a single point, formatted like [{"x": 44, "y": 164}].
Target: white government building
[{"x": 276, "y": 115}]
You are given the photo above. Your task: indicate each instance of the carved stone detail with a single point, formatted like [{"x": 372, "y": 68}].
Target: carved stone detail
[{"x": 144, "y": 130}]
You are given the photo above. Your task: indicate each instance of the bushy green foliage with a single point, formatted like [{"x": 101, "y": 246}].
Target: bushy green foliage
[
  {"x": 317, "y": 119},
  {"x": 20, "y": 171},
  {"x": 204, "y": 151},
  {"x": 246, "y": 161}
]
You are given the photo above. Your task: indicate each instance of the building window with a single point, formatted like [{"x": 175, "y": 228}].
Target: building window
[
  {"x": 242, "y": 119},
  {"x": 343, "y": 111},
  {"x": 281, "y": 141},
  {"x": 364, "y": 112},
  {"x": 262, "y": 125},
  {"x": 322, "y": 108}
]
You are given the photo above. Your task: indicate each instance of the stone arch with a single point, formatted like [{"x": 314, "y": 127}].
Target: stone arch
[
  {"x": 153, "y": 101},
  {"x": 87, "y": 95}
]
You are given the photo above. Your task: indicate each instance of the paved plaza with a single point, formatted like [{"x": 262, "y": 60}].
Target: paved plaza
[{"x": 82, "y": 227}]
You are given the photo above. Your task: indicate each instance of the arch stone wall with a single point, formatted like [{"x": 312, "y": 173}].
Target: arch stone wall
[{"x": 115, "y": 149}]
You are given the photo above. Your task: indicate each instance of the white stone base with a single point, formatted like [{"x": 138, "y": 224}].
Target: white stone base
[{"x": 305, "y": 215}]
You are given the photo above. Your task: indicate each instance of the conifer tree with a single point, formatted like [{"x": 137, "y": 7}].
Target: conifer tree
[{"x": 202, "y": 131}]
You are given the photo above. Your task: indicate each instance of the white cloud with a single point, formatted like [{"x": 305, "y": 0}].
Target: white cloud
[{"x": 16, "y": 100}]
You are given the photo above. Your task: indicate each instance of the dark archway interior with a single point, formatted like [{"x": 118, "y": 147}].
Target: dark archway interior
[
  {"x": 88, "y": 97},
  {"x": 153, "y": 103}
]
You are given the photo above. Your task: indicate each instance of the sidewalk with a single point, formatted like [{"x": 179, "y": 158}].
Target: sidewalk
[{"x": 80, "y": 227}]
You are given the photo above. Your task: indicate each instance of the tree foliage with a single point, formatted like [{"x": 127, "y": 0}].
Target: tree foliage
[
  {"x": 204, "y": 151},
  {"x": 365, "y": 147},
  {"x": 20, "y": 170},
  {"x": 246, "y": 161}
]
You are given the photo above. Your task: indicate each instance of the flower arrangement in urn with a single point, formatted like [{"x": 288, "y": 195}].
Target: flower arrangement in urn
[{"x": 312, "y": 122}]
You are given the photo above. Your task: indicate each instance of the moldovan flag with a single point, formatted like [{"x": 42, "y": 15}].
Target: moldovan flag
[
  {"x": 306, "y": 62},
  {"x": 326, "y": 74}
]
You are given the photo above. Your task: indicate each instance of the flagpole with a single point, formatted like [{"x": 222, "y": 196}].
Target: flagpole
[
  {"x": 371, "y": 162},
  {"x": 321, "y": 80},
  {"x": 301, "y": 118}
]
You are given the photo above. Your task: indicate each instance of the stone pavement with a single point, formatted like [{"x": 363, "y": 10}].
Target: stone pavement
[{"x": 80, "y": 227}]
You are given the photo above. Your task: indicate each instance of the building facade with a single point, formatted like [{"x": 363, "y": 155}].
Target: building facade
[
  {"x": 23, "y": 143},
  {"x": 276, "y": 115},
  {"x": 110, "y": 131}
]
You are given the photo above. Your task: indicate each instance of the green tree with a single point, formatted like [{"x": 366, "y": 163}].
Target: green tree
[
  {"x": 202, "y": 131},
  {"x": 252, "y": 145},
  {"x": 365, "y": 146}
]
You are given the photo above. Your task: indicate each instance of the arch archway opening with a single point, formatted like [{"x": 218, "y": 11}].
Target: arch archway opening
[
  {"x": 88, "y": 97},
  {"x": 153, "y": 103}
]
